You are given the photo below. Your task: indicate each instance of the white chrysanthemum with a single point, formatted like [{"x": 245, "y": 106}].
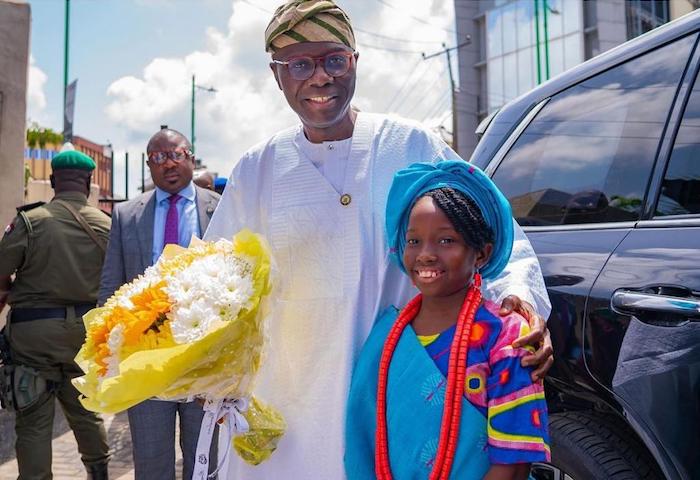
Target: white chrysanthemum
[
  {"x": 114, "y": 343},
  {"x": 211, "y": 289}
]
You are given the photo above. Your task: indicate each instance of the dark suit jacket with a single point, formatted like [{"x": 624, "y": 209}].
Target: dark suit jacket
[{"x": 129, "y": 251}]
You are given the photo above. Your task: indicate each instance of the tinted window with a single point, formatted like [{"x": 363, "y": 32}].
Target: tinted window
[
  {"x": 680, "y": 191},
  {"x": 588, "y": 154}
]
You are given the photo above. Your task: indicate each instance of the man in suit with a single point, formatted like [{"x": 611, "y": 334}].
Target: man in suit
[{"x": 172, "y": 213}]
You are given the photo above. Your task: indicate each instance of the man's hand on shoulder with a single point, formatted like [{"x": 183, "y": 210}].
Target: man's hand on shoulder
[{"x": 543, "y": 358}]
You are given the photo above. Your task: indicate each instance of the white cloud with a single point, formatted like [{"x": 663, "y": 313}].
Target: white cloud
[
  {"x": 36, "y": 98},
  {"x": 249, "y": 107}
]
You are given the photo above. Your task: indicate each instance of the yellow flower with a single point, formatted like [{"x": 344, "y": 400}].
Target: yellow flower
[{"x": 144, "y": 326}]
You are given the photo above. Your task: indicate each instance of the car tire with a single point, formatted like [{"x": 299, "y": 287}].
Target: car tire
[
  {"x": 619, "y": 435},
  {"x": 584, "y": 449}
]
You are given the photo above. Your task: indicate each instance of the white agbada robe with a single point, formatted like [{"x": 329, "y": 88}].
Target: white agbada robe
[{"x": 334, "y": 271}]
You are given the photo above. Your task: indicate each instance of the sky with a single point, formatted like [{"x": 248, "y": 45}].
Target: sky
[{"x": 134, "y": 61}]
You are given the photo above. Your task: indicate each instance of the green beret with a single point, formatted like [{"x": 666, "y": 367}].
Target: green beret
[{"x": 72, "y": 159}]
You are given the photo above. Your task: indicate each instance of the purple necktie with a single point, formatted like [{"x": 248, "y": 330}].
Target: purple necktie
[{"x": 171, "y": 222}]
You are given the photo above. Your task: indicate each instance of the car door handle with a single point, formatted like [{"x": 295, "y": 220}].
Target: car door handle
[{"x": 630, "y": 302}]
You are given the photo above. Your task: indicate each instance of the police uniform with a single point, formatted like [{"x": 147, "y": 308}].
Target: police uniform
[{"x": 57, "y": 267}]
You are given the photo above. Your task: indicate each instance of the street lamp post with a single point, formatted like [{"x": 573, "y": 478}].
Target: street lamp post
[
  {"x": 65, "y": 52},
  {"x": 447, "y": 51},
  {"x": 194, "y": 88},
  {"x": 546, "y": 10}
]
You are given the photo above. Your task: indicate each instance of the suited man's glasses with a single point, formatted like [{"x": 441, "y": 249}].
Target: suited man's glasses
[{"x": 177, "y": 156}]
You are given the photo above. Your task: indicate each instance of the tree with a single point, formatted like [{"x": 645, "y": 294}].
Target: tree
[{"x": 42, "y": 136}]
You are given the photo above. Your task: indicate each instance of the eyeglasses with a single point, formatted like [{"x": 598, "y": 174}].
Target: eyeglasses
[
  {"x": 335, "y": 64},
  {"x": 177, "y": 156}
]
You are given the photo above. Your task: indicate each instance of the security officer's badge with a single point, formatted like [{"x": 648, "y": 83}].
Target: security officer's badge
[{"x": 9, "y": 229}]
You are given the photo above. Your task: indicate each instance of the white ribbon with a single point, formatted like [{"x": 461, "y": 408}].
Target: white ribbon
[{"x": 231, "y": 412}]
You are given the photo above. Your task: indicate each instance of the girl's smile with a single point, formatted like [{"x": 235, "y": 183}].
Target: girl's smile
[
  {"x": 436, "y": 256},
  {"x": 428, "y": 275}
]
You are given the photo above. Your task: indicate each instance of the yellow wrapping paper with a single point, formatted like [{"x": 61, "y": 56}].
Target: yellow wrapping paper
[{"x": 221, "y": 364}]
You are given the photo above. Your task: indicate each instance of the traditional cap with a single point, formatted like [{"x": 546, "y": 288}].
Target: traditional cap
[
  {"x": 413, "y": 182},
  {"x": 72, "y": 159},
  {"x": 308, "y": 21}
]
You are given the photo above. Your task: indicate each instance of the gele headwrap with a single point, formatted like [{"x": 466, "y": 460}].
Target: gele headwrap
[
  {"x": 413, "y": 182},
  {"x": 308, "y": 21}
]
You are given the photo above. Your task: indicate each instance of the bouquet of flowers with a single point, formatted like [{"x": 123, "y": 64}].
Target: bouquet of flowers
[{"x": 190, "y": 326}]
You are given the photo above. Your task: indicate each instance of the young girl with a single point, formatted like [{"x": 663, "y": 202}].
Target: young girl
[{"x": 438, "y": 391}]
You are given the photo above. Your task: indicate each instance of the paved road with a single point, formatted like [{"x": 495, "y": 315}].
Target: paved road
[{"x": 66, "y": 460}]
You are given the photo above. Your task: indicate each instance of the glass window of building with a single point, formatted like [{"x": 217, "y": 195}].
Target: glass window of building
[
  {"x": 680, "y": 191},
  {"x": 572, "y": 43},
  {"x": 523, "y": 19},
  {"x": 572, "y": 16},
  {"x": 510, "y": 82},
  {"x": 481, "y": 36},
  {"x": 526, "y": 75},
  {"x": 645, "y": 15},
  {"x": 509, "y": 20},
  {"x": 554, "y": 10},
  {"x": 494, "y": 75},
  {"x": 516, "y": 27},
  {"x": 494, "y": 35},
  {"x": 555, "y": 64},
  {"x": 588, "y": 154}
]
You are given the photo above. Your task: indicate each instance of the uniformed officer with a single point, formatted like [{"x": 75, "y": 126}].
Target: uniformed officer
[{"x": 56, "y": 251}]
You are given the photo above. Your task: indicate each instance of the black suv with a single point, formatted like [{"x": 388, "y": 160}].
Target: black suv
[{"x": 602, "y": 168}]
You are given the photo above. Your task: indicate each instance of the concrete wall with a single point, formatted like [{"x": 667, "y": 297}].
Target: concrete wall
[
  {"x": 14, "y": 62},
  {"x": 678, "y": 8},
  {"x": 612, "y": 23},
  {"x": 469, "y": 86}
]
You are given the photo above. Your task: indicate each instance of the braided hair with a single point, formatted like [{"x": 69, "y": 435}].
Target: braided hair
[{"x": 465, "y": 216}]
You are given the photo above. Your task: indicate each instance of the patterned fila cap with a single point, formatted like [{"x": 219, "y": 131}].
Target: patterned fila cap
[{"x": 308, "y": 21}]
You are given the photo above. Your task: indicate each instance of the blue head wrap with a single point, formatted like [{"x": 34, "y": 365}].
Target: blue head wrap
[{"x": 413, "y": 182}]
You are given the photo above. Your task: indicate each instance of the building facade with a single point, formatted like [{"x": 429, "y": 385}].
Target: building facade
[
  {"x": 518, "y": 44},
  {"x": 38, "y": 161},
  {"x": 102, "y": 154}
]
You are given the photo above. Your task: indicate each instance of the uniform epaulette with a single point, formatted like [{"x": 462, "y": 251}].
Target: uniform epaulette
[{"x": 30, "y": 206}]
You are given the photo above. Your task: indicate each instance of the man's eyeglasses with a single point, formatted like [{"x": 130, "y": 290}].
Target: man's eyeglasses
[
  {"x": 177, "y": 156},
  {"x": 335, "y": 64}
]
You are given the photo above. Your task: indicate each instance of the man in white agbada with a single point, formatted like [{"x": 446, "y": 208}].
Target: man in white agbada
[{"x": 317, "y": 192}]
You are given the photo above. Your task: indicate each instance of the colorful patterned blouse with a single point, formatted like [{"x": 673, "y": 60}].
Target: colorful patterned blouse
[{"x": 499, "y": 387}]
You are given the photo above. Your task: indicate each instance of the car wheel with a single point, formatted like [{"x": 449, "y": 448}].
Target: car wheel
[
  {"x": 581, "y": 450},
  {"x": 619, "y": 435}
]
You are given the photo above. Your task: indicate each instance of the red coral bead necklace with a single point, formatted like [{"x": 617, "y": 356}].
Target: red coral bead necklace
[{"x": 456, "y": 374}]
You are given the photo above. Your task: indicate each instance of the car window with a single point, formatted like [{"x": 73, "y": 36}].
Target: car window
[
  {"x": 588, "y": 154},
  {"x": 680, "y": 190}
]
